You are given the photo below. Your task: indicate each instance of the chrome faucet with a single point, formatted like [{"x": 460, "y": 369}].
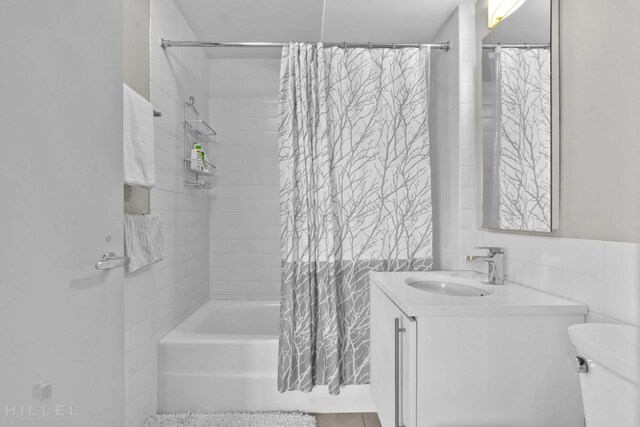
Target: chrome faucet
[{"x": 494, "y": 261}]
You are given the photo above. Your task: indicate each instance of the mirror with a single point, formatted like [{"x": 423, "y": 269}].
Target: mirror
[{"x": 519, "y": 130}]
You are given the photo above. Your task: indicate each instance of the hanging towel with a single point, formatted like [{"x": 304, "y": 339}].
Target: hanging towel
[
  {"x": 143, "y": 241},
  {"x": 139, "y": 164}
]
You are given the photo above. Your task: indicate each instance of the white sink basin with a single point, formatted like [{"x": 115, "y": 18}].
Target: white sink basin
[{"x": 446, "y": 287}]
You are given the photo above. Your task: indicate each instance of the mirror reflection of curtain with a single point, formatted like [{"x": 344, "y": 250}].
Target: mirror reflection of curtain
[
  {"x": 355, "y": 196},
  {"x": 523, "y": 138}
]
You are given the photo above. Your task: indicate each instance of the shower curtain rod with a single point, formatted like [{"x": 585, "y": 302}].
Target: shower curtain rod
[
  {"x": 517, "y": 46},
  {"x": 173, "y": 43}
]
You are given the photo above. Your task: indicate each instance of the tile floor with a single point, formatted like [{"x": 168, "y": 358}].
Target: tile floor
[{"x": 367, "y": 419}]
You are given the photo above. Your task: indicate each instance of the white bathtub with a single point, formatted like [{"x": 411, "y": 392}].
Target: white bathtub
[{"x": 224, "y": 358}]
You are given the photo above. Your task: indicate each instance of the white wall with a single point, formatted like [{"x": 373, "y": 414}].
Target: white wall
[
  {"x": 600, "y": 177},
  {"x": 159, "y": 297},
  {"x": 245, "y": 206}
]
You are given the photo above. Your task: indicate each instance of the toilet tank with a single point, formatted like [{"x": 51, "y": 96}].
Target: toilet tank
[{"x": 610, "y": 384}]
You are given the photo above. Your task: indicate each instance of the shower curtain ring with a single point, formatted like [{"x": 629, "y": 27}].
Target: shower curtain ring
[
  {"x": 394, "y": 45},
  {"x": 369, "y": 46},
  {"x": 344, "y": 45}
]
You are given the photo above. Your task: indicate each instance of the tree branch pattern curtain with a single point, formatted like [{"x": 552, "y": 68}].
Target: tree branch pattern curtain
[
  {"x": 355, "y": 197},
  {"x": 524, "y": 138}
]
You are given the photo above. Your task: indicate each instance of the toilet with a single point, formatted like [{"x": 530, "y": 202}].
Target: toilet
[{"x": 607, "y": 360}]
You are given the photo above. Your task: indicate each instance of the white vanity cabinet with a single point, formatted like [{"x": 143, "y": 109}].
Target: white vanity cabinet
[
  {"x": 394, "y": 342},
  {"x": 494, "y": 361}
]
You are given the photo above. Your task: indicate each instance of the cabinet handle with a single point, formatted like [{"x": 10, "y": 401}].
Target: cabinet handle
[{"x": 398, "y": 331}]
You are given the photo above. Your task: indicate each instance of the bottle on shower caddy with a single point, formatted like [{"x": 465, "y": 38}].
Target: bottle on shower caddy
[
  {"x": 205, "y": 162},
  {"x": 197, "y": 158}
]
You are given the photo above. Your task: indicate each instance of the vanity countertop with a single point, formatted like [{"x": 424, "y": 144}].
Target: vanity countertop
[{"x": 505, "y": 300}]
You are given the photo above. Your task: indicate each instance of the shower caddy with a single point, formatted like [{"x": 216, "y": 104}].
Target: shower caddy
[{"x": 196, "y": 131}]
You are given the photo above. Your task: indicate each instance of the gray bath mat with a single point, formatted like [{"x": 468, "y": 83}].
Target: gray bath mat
[{"x": 233, "y": 419}]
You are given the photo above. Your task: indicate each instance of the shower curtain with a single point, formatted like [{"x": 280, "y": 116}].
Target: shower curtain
[
  {"x": 355, "y": 197},
  {"x": 523, "y": 138}
]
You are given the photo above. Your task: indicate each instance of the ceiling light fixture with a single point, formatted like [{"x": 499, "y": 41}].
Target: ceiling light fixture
[{"x": 500, "y": 9}]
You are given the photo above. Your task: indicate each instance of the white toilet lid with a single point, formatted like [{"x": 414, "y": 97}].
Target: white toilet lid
[{"x": 612, "y": 346}]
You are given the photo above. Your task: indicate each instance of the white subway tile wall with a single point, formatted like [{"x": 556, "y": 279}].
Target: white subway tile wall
[
  {"x": 159, "y": 297},
  {"x": 444, "y": 136},
  {"x": 604, "y": 275},
  {"x": 245, "y": 207},
  {"x": 452, "y": 123}
]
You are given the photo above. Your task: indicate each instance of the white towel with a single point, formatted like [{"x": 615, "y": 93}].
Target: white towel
[
  {"x": 143, "y": 241},
  {"x": 139, "y": 163}
]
